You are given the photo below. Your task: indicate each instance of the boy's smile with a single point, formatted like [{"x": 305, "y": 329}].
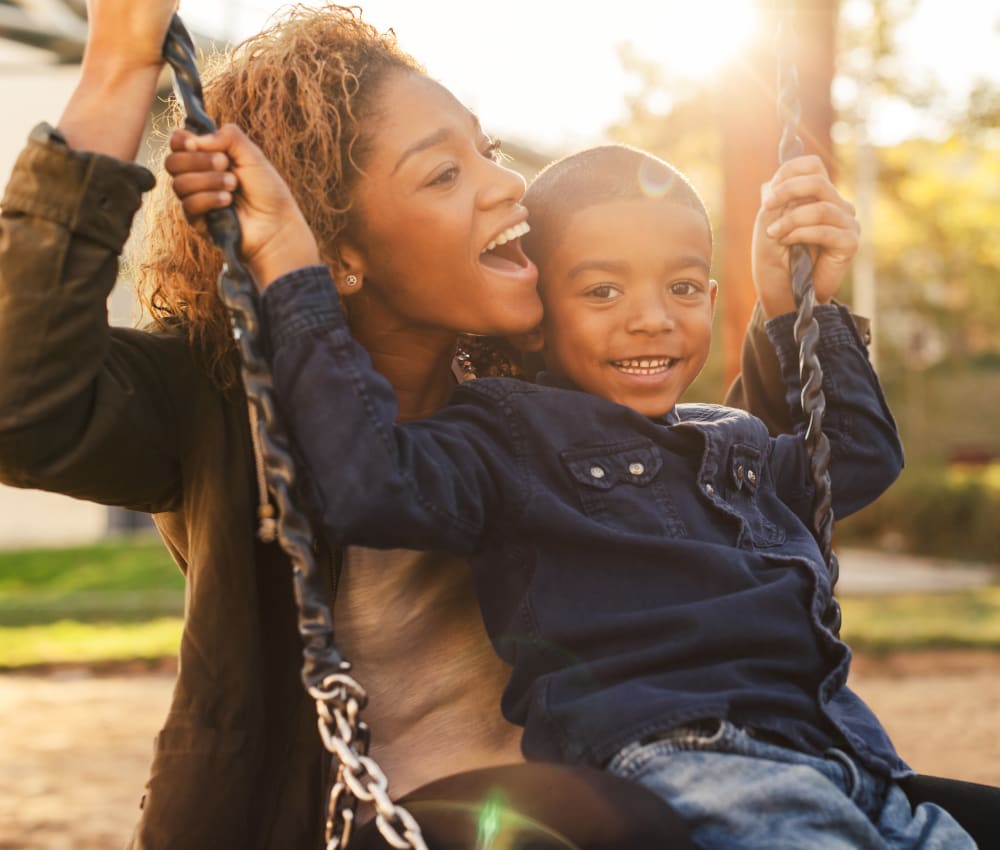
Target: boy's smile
[{"x": 629, "y": 302}]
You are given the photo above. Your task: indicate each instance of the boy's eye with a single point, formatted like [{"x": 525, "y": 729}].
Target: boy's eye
[
  {"x": 684, "y": 287},
  {"x": 603, "y": 291}
]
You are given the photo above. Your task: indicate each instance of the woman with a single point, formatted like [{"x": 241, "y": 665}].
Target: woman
[{"x": 401, "y": 187}]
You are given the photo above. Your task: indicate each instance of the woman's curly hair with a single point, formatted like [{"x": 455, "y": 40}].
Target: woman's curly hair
[{"x": 303, "y": 90}]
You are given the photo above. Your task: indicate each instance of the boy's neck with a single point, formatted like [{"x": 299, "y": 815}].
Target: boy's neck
[{"x": 559, "y": 379}]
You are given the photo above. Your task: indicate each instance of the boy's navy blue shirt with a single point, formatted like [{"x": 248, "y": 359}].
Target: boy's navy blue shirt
[{"x": 637, "y": 574}]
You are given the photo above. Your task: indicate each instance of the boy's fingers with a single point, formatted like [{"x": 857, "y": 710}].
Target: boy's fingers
[
  {"x": 830, "y": 238},
  {"x": 196, "y": 205},
  {"x": 816, "y": 213},
  {"x": 800, "y": 165},
  {"x": 185, "y": 185},
  {"x": 800, "y": 188},
  {"x": 186, "y": 161}
]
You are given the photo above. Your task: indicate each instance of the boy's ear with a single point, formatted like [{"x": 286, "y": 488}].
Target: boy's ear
[
  {"x": 713, "y": 290},
  {"x": 533, "y": 340}
]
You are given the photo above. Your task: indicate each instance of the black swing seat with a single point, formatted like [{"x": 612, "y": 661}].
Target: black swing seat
[
  {"x": 537, "y": 806},
  {"x": 976, "y": 807}
]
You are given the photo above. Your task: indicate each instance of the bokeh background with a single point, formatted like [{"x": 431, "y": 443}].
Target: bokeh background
[{"x": 902, "y": 100}]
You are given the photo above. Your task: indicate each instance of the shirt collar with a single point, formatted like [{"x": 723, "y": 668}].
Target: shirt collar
[{"x": 551, "y": 379}]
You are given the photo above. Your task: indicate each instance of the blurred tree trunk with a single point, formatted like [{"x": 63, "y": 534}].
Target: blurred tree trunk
[{"x": 750, "y": 134}]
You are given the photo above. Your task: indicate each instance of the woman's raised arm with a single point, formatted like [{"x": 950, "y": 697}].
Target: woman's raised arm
[{"x": 121, "y": 65}]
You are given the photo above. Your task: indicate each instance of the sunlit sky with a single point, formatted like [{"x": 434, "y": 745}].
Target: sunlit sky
[{"x": 548, "y": 72}]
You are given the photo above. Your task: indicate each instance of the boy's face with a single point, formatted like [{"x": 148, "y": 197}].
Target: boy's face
[{"x": 629, "y": 302}]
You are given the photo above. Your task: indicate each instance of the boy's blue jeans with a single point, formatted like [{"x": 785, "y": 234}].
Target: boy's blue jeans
[{"x": 737, "y": 791}]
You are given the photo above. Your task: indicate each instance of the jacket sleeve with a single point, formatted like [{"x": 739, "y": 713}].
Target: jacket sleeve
[
  {"x": 84, "y": 410},
  {"x": 760, "y": 388},
  {"x": 433, "y": 483},
  {"x": 866, "y": 455}
]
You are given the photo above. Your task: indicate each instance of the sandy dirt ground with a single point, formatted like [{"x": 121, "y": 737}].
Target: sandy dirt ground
[{"x": 75, "y": 744}]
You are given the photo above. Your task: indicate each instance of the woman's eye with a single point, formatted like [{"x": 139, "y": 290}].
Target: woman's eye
[{"x": 447, "y": 176}]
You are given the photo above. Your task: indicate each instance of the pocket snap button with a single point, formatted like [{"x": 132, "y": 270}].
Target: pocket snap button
[
  {"x": 636, "y": 468},
  {"x": 597, "y": 472}
]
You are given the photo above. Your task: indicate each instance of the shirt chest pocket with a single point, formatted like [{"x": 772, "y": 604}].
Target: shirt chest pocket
[
  {"x": 742, "y": 494},
  {"x": 619, "y": 486}
]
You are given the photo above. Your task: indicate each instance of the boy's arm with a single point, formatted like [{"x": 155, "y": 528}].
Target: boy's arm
[
  {"x": 866, "y": 454},
  {"x": 760, "y": 388},
  {"x": 428, "y": 484}
]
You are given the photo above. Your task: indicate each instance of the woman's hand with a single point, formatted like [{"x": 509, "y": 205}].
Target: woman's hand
[
  {"x": 800, "y": 205},
  {"x": 211, "y": 172},
  {"x": 121, "y": 65},
  {"x": 127, "y": 34}
]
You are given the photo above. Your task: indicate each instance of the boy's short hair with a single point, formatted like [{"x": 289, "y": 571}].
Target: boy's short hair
[{"x": 595, "y": 176}]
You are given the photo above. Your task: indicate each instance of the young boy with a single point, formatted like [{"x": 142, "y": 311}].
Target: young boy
[{"x": 644, "y": 566}]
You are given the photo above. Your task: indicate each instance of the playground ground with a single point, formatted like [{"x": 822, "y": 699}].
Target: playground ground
[{"x": 76, "y": 744}]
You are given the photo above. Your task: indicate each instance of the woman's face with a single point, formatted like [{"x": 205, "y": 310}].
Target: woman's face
[{"x": 431, "y": 200}]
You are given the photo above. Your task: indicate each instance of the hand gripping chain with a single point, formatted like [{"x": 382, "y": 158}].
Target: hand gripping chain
[
  {"x": 807, "y": 331},
  {"x": 325, "y": 674}
]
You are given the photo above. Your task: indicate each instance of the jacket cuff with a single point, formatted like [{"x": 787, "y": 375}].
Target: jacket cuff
[
  {"x": 300, "y": 302},
  {"x": 91, "y": 195},
  {"x": 836, "y": 328}
]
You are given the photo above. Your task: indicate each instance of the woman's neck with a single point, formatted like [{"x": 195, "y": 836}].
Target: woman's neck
[{"x": 417, "y": 362}]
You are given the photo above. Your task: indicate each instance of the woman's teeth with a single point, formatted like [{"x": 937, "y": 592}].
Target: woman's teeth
[
  {"x": 510, "y": 233},
  {"x": 644, "y": 366}
]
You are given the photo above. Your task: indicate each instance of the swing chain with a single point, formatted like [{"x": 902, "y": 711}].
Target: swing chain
[
  {"x": 806, "y": 328},
  {"x": 339, "y": 698}
]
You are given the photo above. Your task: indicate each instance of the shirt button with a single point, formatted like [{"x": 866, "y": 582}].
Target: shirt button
[
  {"x": 709, "y": 489},
  {"x": 636, "y": 468},
  {"x": 739, "y": 471},
  {"x": 596, "y": 472},
  {"x": 751, "y": 476}
]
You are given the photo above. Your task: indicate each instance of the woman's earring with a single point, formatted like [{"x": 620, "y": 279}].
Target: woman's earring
[{"x": 351, "y": 280}]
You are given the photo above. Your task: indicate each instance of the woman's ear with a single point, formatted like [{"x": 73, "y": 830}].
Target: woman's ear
[{"x": 349, "y": 273}]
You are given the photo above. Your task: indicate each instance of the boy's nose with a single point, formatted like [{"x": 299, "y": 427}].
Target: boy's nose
[{"x": 651, "y": 315}]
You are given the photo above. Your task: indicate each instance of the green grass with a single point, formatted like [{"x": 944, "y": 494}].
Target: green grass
[
  {"x": 73, "y": 642},
  {"x": 127, "y": 581},
  {"x": 113, "y": 601},
  {"x": 123, "y": 600},
  {"x": 885, "y": 623}
]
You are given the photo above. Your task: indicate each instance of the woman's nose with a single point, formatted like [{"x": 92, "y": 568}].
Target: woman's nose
[{"x": 501, "y": 185}]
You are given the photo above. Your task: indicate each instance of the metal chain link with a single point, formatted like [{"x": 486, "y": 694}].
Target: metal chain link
[
  {"x": 806, "y": 327},
  {"x": 325, "y": 674}
]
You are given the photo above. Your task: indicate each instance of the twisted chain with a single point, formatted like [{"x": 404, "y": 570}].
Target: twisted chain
[
  {"x": 325, "y": 674},
  {"x": 807, "y": 328}
]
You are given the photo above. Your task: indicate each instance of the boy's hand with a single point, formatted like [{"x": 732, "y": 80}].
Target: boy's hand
[
  {"x": 799, "y": 205},
  {"x": 218, "y": 169}
]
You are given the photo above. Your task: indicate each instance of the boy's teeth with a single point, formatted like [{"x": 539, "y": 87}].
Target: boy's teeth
[
  {"x": 647, "y": 366},
  {"x": 505, "y": 237}
]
